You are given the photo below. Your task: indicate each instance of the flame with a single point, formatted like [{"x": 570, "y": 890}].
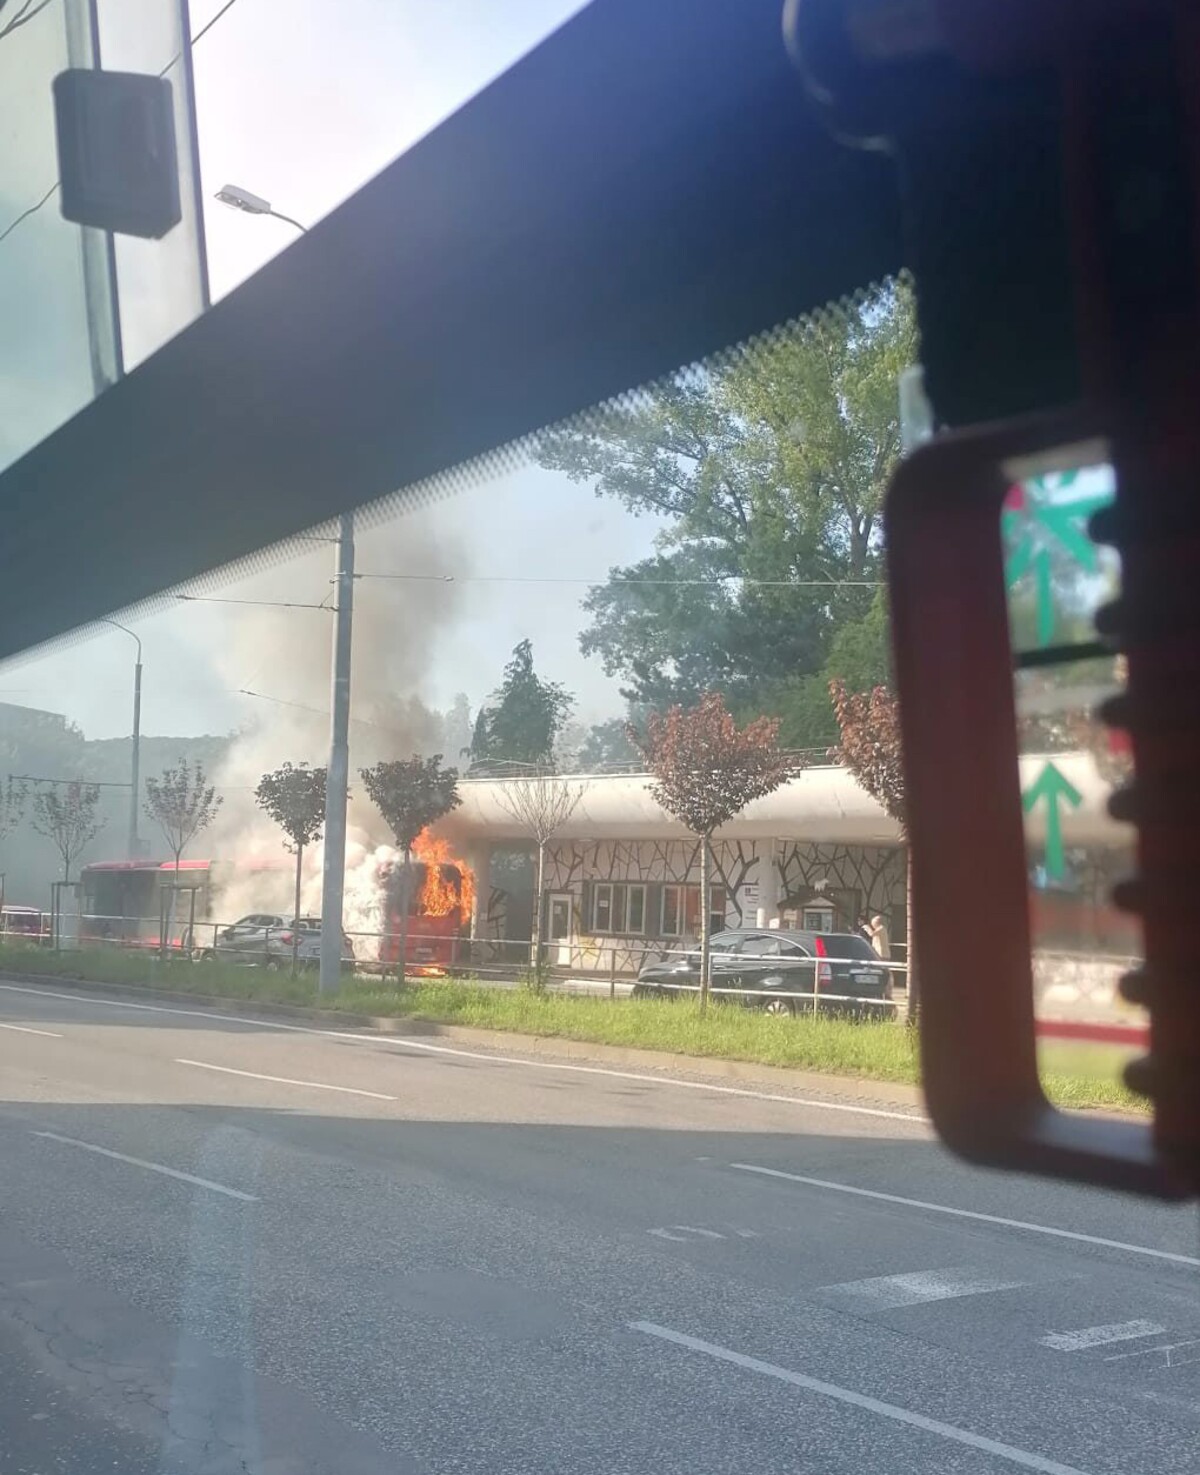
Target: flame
[{"x": 439, "y": 895}]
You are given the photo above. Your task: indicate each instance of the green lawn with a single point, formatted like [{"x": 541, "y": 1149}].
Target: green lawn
[{"x": 882, "y": 1051}]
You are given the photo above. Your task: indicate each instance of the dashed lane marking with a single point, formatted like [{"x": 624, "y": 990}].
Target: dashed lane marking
[
  {"x": 1100, "y": 1336},
  {"x": 888, "y": 1292}
]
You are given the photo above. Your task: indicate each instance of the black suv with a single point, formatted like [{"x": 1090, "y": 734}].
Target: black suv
[{"x": 836, "y": 971}]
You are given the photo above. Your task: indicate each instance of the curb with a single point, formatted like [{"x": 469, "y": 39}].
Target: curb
[{"x": 843, "y": 1088}]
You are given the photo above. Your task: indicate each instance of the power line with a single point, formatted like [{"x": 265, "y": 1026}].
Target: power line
[
  {"x": 260, "y": 603},
  {"x": 718, "y": 582}
]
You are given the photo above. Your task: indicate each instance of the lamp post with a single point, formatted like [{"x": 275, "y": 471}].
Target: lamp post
[
  {"x": 333, "y": 876},
  {"x": 135, "y": 747}
]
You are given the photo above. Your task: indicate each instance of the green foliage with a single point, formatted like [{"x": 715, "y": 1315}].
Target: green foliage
[
  {"x": 411, "y": 793},
  {"x": 770, "y": 472},
  {"x": 859, "y": 656},
  {"x": 606, "y": 744},
  {"x": 294, "y": 797},
  {"x": 524, "y": 717}
]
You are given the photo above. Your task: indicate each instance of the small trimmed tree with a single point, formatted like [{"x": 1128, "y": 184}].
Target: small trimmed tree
[
  {"x": 705, "y": 771},
  {"x": 66, "y": 814},
  {"x": 870, "y": 748},
  {"x": 410, "y": 794},
  {"x": 542, "y": 805},
  {"x": 294, "y": 797},
  {"x": 182, "y": 802}
]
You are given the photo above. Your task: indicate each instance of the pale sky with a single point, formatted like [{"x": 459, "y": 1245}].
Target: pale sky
[{"x": 302, "y": 102}]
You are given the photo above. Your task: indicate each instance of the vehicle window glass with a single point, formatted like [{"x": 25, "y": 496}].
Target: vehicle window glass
[
  {"x": 761, "y": 946},
  {"x": 790, "y": 949},
  {"x": 845, "y": 945}
]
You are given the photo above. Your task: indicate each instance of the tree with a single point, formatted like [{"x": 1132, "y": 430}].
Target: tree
[
  {"x": 182, "y": 803},
  {"x": 411, "y": 794},
  {"x": 706, "y": 770},
  {"x": 607, "y": 745},
  {"x": 870, "y": 748},
  {"x": 542, "y": 804},
  {"x": 12, "y": 808},
  {"x": 66, "y": 814},
  {"x": 524, "y": 717},
  {"x": 294, "y": 797},
  {"x": 768, "y": 471}
]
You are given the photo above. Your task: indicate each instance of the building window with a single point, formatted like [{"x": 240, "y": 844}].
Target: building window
[
  {"x": 618, "y": 907},
  {"x": 681, "y": 911}
]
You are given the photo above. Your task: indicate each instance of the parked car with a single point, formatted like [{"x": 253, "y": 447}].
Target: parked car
[
  {"x": 770, "y": 968},
  {"x": 266, "y": 939}
]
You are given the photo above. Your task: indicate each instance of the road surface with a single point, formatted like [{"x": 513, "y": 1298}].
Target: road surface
[{"x": 231, "y": 1245}]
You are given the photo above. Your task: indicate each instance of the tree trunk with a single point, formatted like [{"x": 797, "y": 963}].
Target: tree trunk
[
  {"x": 705, "y": 953},
  {"x": 296, "y": 911},
  {"x": 910, "y": 955},
  {"x": 539, "y": 901},
  {"x": 405, "y": 905}
]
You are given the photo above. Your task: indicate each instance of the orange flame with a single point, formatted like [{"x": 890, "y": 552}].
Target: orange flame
[{"x": 439, "y": 895}]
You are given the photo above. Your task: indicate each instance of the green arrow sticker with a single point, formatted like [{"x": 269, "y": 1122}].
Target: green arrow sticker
[
  {"x": 1051, "y": 786},
  {"x": 1034, "y": 526}
]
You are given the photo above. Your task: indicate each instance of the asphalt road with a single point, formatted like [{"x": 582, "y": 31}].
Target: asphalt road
[{"x": 238, "y": 1246}]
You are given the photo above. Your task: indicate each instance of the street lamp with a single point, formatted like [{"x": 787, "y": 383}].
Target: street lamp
[
  {"x": 337, "y": 785},
  {"x": 238, "y": 198},
  {"x": 135, "y": 758}
]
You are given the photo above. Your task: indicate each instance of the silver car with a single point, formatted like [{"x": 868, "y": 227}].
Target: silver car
[{"x": 267, "y": 938}]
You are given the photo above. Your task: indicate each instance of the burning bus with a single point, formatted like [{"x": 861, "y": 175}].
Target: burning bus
[
  {"x": 134, "y": 902},
  {"x": 441, "y": 896}
]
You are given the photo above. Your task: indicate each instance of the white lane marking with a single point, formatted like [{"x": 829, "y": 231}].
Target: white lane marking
[
  {"x": 1100, "y": 1336},
  {"x": 250, "y": 1021},
  {"x": 680, "y": 1239},
  {"x": 703, "y": 1233},
  {"x": 24, "y": 1029},
  {"x": 1191, "y": 1349},
  {"x": 887, "y": 1292},
  {"x": 141, "y": 1162},
  {"x": 255, "y": 1075},
  {"x": 916, "y": 1203},
  {"x": 1007, "y": 1452}
]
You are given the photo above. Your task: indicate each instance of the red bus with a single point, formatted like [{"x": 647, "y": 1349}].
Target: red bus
[{"x": 442, "y": 894}]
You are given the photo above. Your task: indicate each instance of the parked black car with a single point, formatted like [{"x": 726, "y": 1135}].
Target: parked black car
[{"x": 769, "y": 969}]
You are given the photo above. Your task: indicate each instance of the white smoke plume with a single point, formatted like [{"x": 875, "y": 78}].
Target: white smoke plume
[{"x": 284, "y": 655}]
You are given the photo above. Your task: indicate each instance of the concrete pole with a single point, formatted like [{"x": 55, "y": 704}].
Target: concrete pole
[
  {"x": 333, "y": 878},
  {"x": 135, "y": 761}
]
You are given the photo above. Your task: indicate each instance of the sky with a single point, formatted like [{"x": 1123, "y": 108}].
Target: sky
[{"x": 302, "y": 102}]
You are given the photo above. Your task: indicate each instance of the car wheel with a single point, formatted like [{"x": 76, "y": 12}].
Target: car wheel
[
  {"x": 776, "y": 1005},
  {"x": 208, "y": 956},
  {"x": 272, "y": 965}
]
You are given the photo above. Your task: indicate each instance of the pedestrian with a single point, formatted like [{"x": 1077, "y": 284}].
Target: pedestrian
[
  {"x": 864, "y": 926},
  {"x": 877, "y": 936}
]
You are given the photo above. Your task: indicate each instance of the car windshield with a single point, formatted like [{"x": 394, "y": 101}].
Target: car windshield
[{"x": 469, "y": 995}]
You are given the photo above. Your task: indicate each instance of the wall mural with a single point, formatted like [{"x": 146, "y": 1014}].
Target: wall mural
[{"x": 854, "y": 878}]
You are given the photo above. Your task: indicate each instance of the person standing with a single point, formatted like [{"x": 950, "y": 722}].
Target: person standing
[{"x": 877, "y": 936}]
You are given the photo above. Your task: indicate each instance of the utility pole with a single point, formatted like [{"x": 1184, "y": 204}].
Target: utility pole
[
  {"x": 136, "y": 758},
  {"x": 333, "y": 878},
  {"x": 135, "y": 750}
]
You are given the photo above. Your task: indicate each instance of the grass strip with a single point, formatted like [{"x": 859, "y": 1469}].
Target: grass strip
[{"x": 865, "y": 1050}]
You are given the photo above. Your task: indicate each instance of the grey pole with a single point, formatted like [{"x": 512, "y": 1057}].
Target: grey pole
[
  {"x": 334, "y": 871},
  {"x": 135, "y": 758}
]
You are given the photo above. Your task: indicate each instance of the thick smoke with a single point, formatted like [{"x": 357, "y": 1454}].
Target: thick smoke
[{"x": 285, "y": 656}]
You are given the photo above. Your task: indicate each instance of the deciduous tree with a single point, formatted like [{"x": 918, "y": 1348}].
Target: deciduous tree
[
  {"x": 182, "y": 802},
  {"x": 766, "y": 473},
  {"x": 542, "y": 804},
  {"x": 870, "y": 748},
  {"x": 66, "y": 814},
  {"x": 410, "y": 794},
  {"x": 294, "y": 797},
  {"x": 705, "y": 770}
]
